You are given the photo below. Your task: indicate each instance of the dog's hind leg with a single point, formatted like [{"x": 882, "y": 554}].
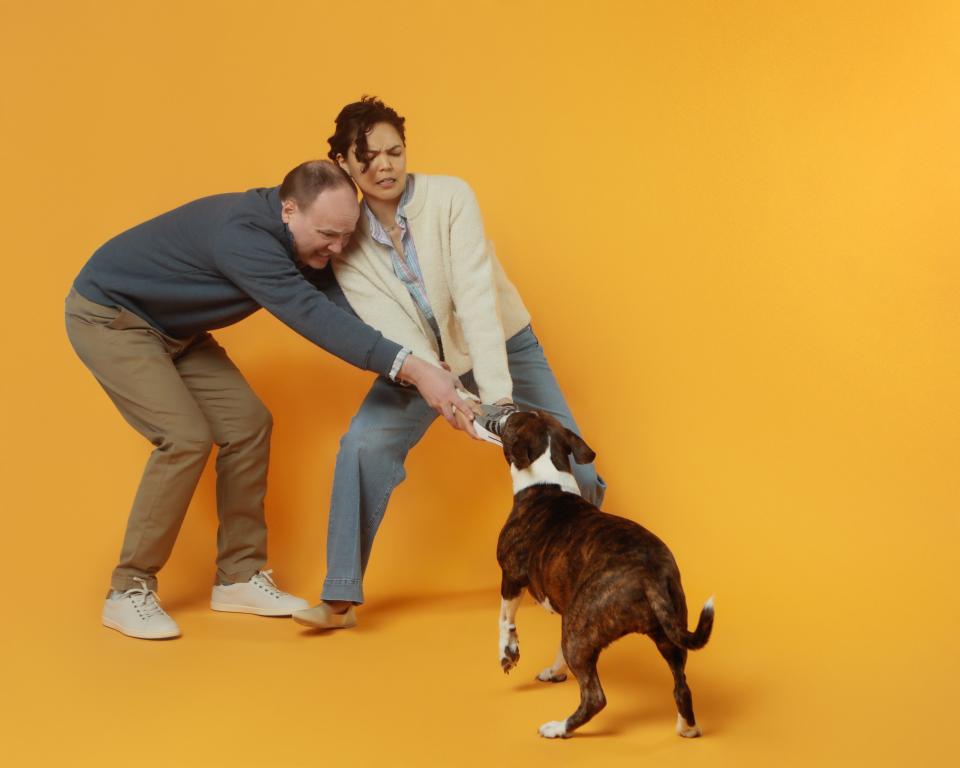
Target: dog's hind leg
[
  {"x": 556, "y": 673},
  {"x": 582, "y": 661},
  {"x": 677, "y": 659}
]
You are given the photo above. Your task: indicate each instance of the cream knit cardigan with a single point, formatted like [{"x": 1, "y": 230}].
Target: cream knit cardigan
[{"x": 473, "y": 301}]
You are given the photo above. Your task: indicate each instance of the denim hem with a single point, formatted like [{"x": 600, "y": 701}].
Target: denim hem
[{"x": 342, "y": 589}]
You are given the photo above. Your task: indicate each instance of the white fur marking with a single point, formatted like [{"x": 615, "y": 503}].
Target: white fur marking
[
  {"x": 685, "y": 729},
  {"x": 559, "y": 668},
  {"x": 546, "y": 605},
  {"x": 554, "y": 729},
  {"x": 708, "y": 606},
  {"x": 543, "y": 472},
  {"x": 508, "y": 630}
]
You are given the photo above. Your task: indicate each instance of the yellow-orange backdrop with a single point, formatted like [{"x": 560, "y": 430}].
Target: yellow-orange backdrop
[{"x": 732, "y": 223}]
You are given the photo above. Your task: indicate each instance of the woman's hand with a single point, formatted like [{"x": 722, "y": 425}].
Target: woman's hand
[{"x": 439, "y": 388}]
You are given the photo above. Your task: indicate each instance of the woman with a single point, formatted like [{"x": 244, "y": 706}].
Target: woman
[{"x": 420, "y": 268}]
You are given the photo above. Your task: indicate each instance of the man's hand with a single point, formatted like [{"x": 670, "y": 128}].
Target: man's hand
[{"x": 439, "y": 388}]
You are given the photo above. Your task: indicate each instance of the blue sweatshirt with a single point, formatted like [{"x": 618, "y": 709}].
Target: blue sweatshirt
[{"x": 213, "y": 262}]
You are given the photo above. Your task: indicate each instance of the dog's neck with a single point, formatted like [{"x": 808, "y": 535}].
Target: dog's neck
[{"x": 543, "y": 472}]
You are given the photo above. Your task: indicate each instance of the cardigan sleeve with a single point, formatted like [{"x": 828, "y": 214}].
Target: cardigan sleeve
[
  {"x": 474, "y": 296},
  {"x": 379, "y": 309}
]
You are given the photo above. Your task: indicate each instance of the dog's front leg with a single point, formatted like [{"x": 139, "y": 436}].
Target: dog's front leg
[
  {"x": 556, "y": 673},
  {"x": 509, "y": 642}
]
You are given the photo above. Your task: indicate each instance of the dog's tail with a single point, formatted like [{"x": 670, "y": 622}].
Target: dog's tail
[{"x": 663, "y": 608}]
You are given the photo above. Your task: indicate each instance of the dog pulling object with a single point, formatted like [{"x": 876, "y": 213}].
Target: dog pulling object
[
  {"x": 606, "y": 575},
  {"x": 490, "y": 421}
]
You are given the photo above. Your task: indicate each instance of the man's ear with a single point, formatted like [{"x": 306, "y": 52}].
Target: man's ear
[
  {"x": 582, "y": 452},
  {"x": 287, "y": 209}
]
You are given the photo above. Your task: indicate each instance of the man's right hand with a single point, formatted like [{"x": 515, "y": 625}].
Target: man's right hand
[{"x": 438, "y": 387}]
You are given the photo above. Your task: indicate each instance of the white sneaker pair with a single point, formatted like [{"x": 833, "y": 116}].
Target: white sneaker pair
[{"x": 137, "y": 612}]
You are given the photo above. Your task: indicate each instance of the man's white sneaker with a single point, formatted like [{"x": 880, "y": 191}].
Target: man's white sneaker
[
  {"x": 137, "y": 613},
  {"x": 260, "y": 596}
]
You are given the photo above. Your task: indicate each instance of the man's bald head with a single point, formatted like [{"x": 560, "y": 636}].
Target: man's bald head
[
  {"x": 320, "y": 208},
  {"x": 305, "y": 182}
]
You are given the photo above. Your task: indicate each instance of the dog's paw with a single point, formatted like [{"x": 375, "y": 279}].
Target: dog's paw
[
  {"x": 549, "y": 676},
  {"x": 555, "y": 729},
  {"x": 509, "y": 656},
  {"x": 686, "y": 730}
]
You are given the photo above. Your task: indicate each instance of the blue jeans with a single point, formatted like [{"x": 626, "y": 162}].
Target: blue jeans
[{"x": 391, "y": 420}]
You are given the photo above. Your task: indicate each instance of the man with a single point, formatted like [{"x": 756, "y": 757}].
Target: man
[{"x": 139, "y": 315}]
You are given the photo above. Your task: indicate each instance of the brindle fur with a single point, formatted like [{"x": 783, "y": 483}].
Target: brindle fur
[{"x": 606, "y": 576}]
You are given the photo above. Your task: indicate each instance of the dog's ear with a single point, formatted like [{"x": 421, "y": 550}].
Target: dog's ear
[{"x": 582, "y": 452}]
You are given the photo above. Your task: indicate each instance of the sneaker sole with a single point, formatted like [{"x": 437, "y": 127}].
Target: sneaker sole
[
  {"x": 235, "y": 608},
  {"x": 487, "y": 436},
  {"x": 139, "y": 636}
]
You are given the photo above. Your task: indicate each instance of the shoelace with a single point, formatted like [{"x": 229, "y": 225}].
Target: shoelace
[
  {"x": 495, "y": 416},
  {"x": 149, "y": 600},
  {"x": 267, "y": 582}
]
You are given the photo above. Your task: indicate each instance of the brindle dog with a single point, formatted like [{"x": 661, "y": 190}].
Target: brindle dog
[{"x": 605, "y": 575}]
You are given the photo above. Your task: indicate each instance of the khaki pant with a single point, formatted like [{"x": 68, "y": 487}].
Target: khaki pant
[{"x": 183, "y": 395}]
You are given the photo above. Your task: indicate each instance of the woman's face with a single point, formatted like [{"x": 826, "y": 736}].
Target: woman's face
[{"x": 386, "y": 160}]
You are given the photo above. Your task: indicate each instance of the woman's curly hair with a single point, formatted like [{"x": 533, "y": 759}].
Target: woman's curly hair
[{"x": 355, "y": 121}]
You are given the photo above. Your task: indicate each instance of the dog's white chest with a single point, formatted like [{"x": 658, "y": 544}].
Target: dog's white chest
[{"x": 543, "y": 472}]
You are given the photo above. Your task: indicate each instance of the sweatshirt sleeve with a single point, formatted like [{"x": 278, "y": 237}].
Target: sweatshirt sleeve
[
  {"x": 261, "y": 267},
  {"x": 474, "y": 296}
]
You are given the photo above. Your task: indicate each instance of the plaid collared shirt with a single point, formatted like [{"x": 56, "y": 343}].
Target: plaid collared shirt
[{"x": 406, "y": 266}]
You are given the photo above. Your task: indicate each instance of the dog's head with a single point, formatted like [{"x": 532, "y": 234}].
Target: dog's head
[{"x": 528, "y": 435}]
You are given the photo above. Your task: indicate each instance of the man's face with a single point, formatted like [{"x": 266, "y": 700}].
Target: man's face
[{"x": 323, "y": 229}]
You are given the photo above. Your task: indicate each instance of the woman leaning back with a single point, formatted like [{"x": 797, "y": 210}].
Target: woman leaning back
[{"x": 420, "y": 269}]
